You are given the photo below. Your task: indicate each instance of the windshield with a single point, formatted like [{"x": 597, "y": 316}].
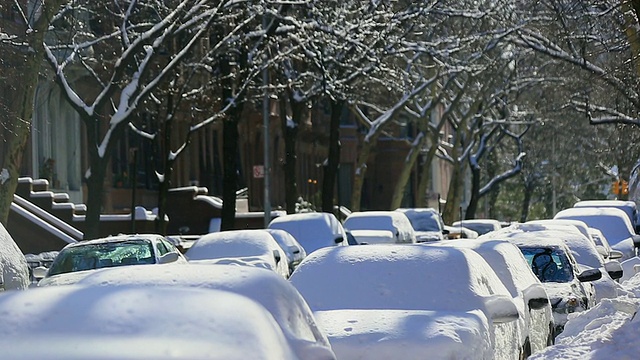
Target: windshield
[
  {"x": 95, "y": 256},
  {"x": 424, "y": 221},
  {"x": 549, "y": 265}
]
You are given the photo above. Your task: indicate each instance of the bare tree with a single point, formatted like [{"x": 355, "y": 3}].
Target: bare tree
[
  {"x": 128, "y": 43},
  {"x": 21, "y": 40}
]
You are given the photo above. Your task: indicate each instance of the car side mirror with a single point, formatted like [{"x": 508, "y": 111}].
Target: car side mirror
[
  {"x": 445, "y": 232},
  {"x": 40, "y": 272},
  {"x": 294, "y": 249},
  {"x": 602, "y": 251},
  {"x": 537, "y": 296},
  {"x": 501, "y": 308},
  {"x": 614, "y": 269},
  {"x": 615, "y": 254},
  {"x": 590, "y": 275},
  {"x": 276, "y": 255},
  {"x": 169, "y": 258},
  {"x": 339, "y": 239}
]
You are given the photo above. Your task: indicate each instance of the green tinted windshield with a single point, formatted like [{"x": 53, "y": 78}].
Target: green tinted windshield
[{"x": 95, "y": 256}]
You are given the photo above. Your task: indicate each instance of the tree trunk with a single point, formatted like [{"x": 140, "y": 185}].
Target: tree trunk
[
  {"x": 451, "y": 211},
  {"x": 425, "y": 175},
  {"x": 230, "y": 171},
  {"x": 361, "y": 171},
  {"x": 165, "y": 182},
  {"x": 95, "y": 195},
  {"x": 475, "y": 194},
  {"x": 331, "y": 169},
  {"x": 290, "y": 131},
  {"x": 526, "y": 202},
  {"x": 405, "y": 174},
  {"x": 19, "y": 76}
]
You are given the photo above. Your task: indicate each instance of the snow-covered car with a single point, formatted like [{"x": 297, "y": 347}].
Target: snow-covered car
[
  {"x": 394, "y": 221},
  {"x": 267, "y": 288},
  {"x": 14, "y": 271},
  {"x": 460, "y": 232},
  {"x": 535, "y": 322},
  {"x": 629, "y": 207},
  {"x": 414, "y": 300},
  {"x": 241, "y": 247},
  {"x": 614, "y": 224},
  {"x": 295, "y": 252},
  {"x": 481, "y": 226},
  {"x": 584, "y": 252},
  {"x": 367, "y": 237},
  {"x": 313, "y": 230},
  {"x": 568, "y": 287},
  {"x": 427, "y": 223},
  {"x": 134, "y": 322},
  {"x": 74, "y": 260}
]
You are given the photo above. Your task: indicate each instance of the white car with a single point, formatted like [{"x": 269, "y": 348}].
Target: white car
[
  {"x": 133, "y": 322},
  {"x": 313, "y": 230},
  {"x": 584, "y": 251},
  {"x": 427, "y": 223},
  {"x": 535, "y": 322},
  {"x": 295, "y": 252},
  {"x": 367, "y": 237},
  {"x": 567, "y": 284},
  {"x": 241, "y": 247},
  {"x": 378, "y": 301},
  {"x": 629, "y": 207},
  {"x": 265, "y": 287},
  {"x": 481, "y": 226},
  {"x": 394, "y": 221},
  {"x": 614, "y": 224},
  {"x": 74, "y": 260}
]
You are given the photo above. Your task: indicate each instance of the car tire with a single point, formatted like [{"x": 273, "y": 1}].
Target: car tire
[{"x": 551, "y": 338}]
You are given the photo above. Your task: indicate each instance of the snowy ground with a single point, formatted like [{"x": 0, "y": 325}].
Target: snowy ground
[{"x": 607, "y": 331}]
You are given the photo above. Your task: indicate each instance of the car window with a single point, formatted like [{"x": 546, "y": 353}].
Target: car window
[
  {"x": 100, "y": 255},
  {"x": 162, "y": 248}
]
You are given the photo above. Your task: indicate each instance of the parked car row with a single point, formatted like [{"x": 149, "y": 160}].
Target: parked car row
[{"x": 300, "y": 289}]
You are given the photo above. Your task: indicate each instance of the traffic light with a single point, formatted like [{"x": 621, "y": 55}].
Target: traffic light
[{"x": 620, "y": 187}]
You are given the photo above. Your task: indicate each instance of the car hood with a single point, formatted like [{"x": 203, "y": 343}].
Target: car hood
[
  {"x": 383, "y": 334},
  {"x": 66, "y": 278},
  {"x": 559, "y": 291}
]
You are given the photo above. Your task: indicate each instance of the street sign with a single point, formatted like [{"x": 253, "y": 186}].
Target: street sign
[{"x": 258, "y": 171}]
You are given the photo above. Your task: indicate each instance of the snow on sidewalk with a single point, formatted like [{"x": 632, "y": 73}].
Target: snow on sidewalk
[{"x": 607, "y": 331}]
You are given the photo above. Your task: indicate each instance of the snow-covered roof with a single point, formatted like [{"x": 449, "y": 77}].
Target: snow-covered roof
[
  {"x": 404, "y": 277},
  {"x": 273, "y": 292},
  {"x": 614, "y": 223},
  {"x": 132, "y": 322},
  {"x": 377, "y": 220},
  {"x": 313, "y": 230}
]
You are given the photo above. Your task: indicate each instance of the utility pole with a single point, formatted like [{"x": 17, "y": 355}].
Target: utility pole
[{"x": 265, "y": 121}]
